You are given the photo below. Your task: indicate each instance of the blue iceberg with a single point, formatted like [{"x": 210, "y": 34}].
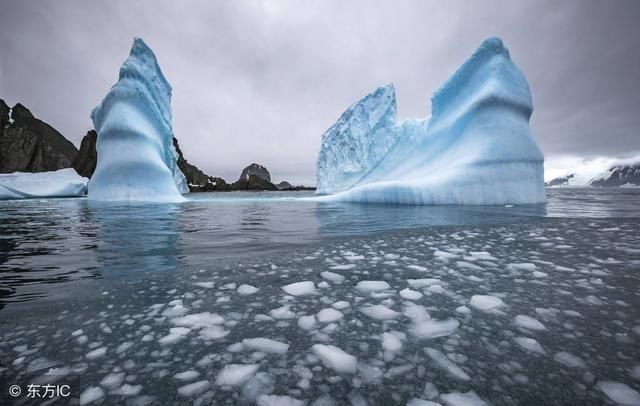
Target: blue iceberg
[
  {"x": 136, "y": 157},
  {"x": 475, "y": 148}
]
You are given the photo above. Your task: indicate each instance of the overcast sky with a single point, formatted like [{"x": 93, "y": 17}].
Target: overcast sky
[{"x": 261, "y": 81}]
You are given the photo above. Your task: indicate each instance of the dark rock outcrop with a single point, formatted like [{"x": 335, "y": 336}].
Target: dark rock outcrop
[
  {"x": 560, "y": 181},
  {"x": 256, "y": 170},
  {"x": 197, "y": 180},
  {"x": 284, "y": 185},
  {"x": 253, "y": 182},
  {"x": 28, "y": 144},
  {"x": 85, "y": 162},
  {"x": 619, "y": 175}
]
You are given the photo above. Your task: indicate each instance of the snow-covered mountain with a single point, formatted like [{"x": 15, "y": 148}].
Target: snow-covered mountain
[
  {"x": 475, "y": 148},
  {"x": 618, "y": 175}
]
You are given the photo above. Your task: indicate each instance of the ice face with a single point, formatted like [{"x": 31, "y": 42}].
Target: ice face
[
  {"x": 60, "y": 183},
  {"x": 136, "y": 157},
  {"x": 475, "y": 148}
]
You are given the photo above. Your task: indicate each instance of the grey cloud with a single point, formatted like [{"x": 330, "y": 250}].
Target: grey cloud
[{"x": 261, "y": 81}]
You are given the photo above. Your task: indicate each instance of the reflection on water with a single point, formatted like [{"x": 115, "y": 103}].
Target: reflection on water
[{"x": 46, "y": 242}]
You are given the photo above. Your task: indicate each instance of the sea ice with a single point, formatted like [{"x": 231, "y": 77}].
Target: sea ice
[
  {"x": 379, "y": 312},
  {"x": 193, "y": 389},
  {"x": 569, "y": 360},
  {"x": 245, "y": 290},
  {"x": 187, "y": 375},
  {"x": 329, "y": 315},
  {"x": 445, "y": 363},
  {"x": 136, "y": 159},
  {"x": 300, "y": 288},
  {"x": 236, "y": 374},
  {"x": 620, "y": 393},
  {"x": 372, "y": 286},
  {"x": 307, "y": 322},
  {"x": 486, "y": 303},
  {"x": 91, "y": 394},
  {"x": 530, "y": 344},
  {"x": 332, "y": 277},
  {"x": 475, "y": 148},
  {"x": 198, "y": 320},
  {"x": 410, "y": 294},
  {"x": 265, "y": 345},
  {"x": 276, "y": 400},
  {"x": 334, "y": 358},
  {"x": 462, "y": 399},
  {"x": 432, "y": 328},
  {"x": 528, "y": 322},
  {"x": 27, "y": 185}
]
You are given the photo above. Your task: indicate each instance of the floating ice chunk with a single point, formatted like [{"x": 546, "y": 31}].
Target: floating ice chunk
[
  {"x": 300, "y": 288},
  {"x": 282, "y": 313},
  {"x": 379, "y": 312},
  {"x": 332, "y": 277},
  {"x": 329, "y": 315},
  {"x": 462, "y": 399},
  {"x": 111, "y": 381},
  {"x": 334, "y": 358},
  {"x": 619, "y": 392},
  {"x": 528, "y": 322},
  {"x": 391, "y": 344},
  {"x": 468, "y": 265},
  {"x": 127, "y": 390},
  {"x": 410, "y": 294},
  {"x": 187, "y": 375},
  {"x": 530, "y": 344},
  {"x": 432, "y": 328},
  {"x": 198, "y": 320},
  {"x": 60, "y": 183},
  {"x": 206, "y": 285},
  {"x": 416, "y": 312},
  {"x": 372, "y": 286},
  {"x": 344, "y": 267},
  {"x": 463, "y": 310},
  {"x": 193, "y": 389},
  {"x": 539, "y": 274},
  {"x": 213, "y": 332},
  {"x": 97, "y": 353},
  {"x": 276, "y": 400},
  {"x": 523, "y": 266},
  {"x": 124, "y": 347},
  {"x": 417, "y": 268},
  {"x": 265, "y": 345},
  {"x": 421, "y": 283},
  {"x": 340, "y": 305},
  {"x": 245, "y": 290},
  {"x": 421, "y": 402},
  {"x": 569, "y": 360},
  {"x": 486, "y": 303},
  {"x": 175, "y": 334},
  {"x": 307, "y": 322},
  {"x": 177, "y": 309},
  {"x": 483, "y": 256},
  {"x": 91, "y": 394},
  {"x": 236, "y": 374},
  {"x": 445, "y": 363}
]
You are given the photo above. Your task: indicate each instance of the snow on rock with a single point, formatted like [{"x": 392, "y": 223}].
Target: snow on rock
[
  {"x": 300, "y": 288},
  {"x": 379, "y": 312},
  {"x": 486, "y": 303},
  {"x": 136, "y": 157},
  {"x": 433, "y": 328},
  {"x": 27, "y": 185},
  {"x": 334, "y": 358},
  {"x": 619, "y": 392},
  {"x": 462, "y": 399},
  {"x": 372, "y": 286},
  {"x": 329, "y": 315},
  {"x": 236, "y": 374},
  {"x": 528, "y": 322},
  {"x": 245, "y": 290},
  {"x": 475, "y": 148},
  {"x": 530, "y": 344},
  {"x": 265, "y": 345},
  {"x": 445, "y": 363}
]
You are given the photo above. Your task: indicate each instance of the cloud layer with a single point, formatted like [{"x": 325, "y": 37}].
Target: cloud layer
[{"x": 261, "y": 81}]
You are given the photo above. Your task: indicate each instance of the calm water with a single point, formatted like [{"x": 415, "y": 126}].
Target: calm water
[{"x": 103, "y": 290}]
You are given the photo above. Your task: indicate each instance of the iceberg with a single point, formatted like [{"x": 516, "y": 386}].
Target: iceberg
[
  {"x": 475, "y": 148},
  {"x": 136, "y": 157},
  {"x": 27, "y": 185}
]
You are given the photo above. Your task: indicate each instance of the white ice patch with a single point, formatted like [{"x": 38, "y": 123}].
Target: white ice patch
[
  {"x": 445, "y": 363},
  {"x": 528, "y": 322},
  {"x": 90, "y": 395},
  {"x": 275, "y": 400},
  {"x": 569, "y": 360},
  {"x": 265, "y": 345},
  {"x": 245, "y": 290},
  {"x": 334, "y": 358},
  {"x": 97, "y": 353},
  {"x": 462, "y": 399},
  {"x": 187, "y": 375},
  {"x": 175, "y": 334},
  {"x": 282, "y": 313},
  {"x": 372, "y": 286},
  {"x": 307, "y": 322},
  {"x": 300, "y": 288},
  {"x": 198, "y": 320},
  {"x": 379, "y": 312},
  {"x": 432, "y": 328},
  {"x": 620, "y": 393},
  {"x": 329, "y": 315},
  {"x": 421, "y": 283},
  {"x": 332, "y": 277},
  {"x": 193, "y": 389},
  {"x": 236, "y": 374},
  {"x": 421, "y": 402},
  {"x": 410, "y": 294},
  {"x": 486, "y": 303},
  {"x": 530, "y": 344},
  {"x": 523, "y": 266}
]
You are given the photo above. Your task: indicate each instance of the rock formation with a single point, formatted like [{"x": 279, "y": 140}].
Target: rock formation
[{"x": 85, "y": 162}]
